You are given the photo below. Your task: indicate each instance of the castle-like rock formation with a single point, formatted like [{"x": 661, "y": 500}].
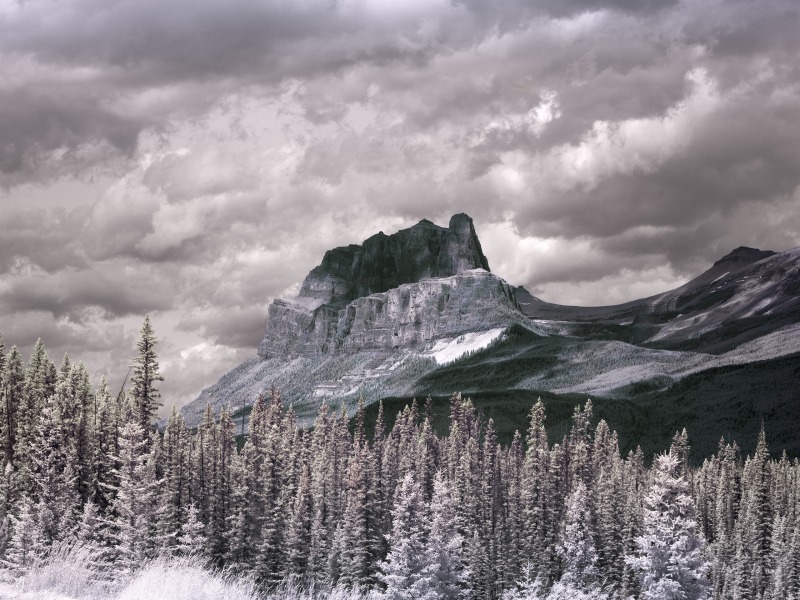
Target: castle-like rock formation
[{"x": 398, "y": 290}]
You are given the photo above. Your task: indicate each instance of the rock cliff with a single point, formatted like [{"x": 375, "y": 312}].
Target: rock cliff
[
  {"x": 393, "y": 290},
  {"x": 384, "y": 262}
]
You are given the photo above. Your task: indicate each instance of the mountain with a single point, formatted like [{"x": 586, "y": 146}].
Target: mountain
[
  {"x": 418, "y": 313},
  {"x": 388, "y": 293}
]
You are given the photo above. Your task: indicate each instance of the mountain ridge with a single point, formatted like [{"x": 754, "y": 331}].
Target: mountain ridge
[{"x": 457, "y": 327}]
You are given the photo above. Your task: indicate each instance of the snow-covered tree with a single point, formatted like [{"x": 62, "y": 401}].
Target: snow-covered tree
[
  {"x": 192, "y": 539},
  {"x": 576, "y": 547},
  {"x": 133, "y": 508},
  {"x": 25, "y": 546},
  {"x": 353, "y": 552},
  {"x": 670, "y": 558},
  {"x": 145, "y": 376},
  {"x": 13, "y": 381},
  {"x": 444, "y": 567},
  {"x": 528, "y": 587},
  {"x": 54, "y": 478},
  {"x": 403, "y": 572}
]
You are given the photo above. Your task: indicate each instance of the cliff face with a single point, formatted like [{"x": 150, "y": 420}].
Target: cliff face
[
  {"x": 391, "y": 291},
  {"x": 404, "y": 317},
  {"x": 384, "y": 262}
]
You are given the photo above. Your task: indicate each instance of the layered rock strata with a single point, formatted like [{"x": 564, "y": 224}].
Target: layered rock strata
[{"x": 392, "y": 291}]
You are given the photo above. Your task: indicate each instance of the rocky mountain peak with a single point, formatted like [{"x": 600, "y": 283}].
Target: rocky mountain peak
[
  {"x": 391, "y": 291},
  {"x": 744, "y": 255},
  {"x": 383, "y": 262}
]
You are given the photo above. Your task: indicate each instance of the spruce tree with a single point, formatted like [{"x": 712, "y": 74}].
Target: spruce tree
[
  {"x": 106, "y": 428},
  {"x": 192, "y": 539},
  {"x": 580, "y": 572},
  {"x": 444, "y": 566},
  {"x": 670, "y": 551},
  {"x": 30, "y": 404},
  {"x": 403, "y": 571},
  {"x": 174, "y": 490},
  {"x": 298, "y": 527},
  {"x": 54, "y": 479},
  {"x": 133, "y": 508},
  {"x": 25, "y": 548},
  {"x": 353, "y": 553},
  {"x": 145, "y": 376},
  {"x": 12, "y": 398}
]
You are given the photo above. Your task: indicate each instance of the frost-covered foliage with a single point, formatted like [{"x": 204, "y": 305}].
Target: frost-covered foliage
[
  {"x": 185, "y": 579},
  {"x": 671, "y": 548},
  {"x": 92, "y": 502},
  {"x": 68, "y": 570}
]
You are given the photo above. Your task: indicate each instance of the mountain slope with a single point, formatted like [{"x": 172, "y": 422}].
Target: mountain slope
[{"x": 417, "y": 313}]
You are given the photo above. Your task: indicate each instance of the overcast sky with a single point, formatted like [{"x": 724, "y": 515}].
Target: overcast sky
[{"x": 193, "y": 159}]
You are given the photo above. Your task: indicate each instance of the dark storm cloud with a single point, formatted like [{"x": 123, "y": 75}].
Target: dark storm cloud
[
  {"x": 75, "y": 293},
  {"x": 86, "y": 72},
  {"x": 606, "y": 150}
]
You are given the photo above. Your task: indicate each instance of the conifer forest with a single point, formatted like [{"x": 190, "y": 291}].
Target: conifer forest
[{"x": 403, "y": 514}]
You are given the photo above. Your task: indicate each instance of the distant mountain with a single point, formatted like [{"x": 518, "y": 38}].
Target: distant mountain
[{"x": 417, "y": 313}]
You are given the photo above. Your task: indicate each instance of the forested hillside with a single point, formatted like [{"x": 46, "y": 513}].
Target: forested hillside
[{"x": 402, "y": 513}]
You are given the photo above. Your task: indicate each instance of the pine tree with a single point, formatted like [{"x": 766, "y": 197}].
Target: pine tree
[
  {"x": 24, "y": 547},
  {"x": 54, "y": 479},
  {"x": 93, "y": 535},
  {"x": 105, "y": 447},
  {"x": 12, "y": 398},
  {"x": 298, "y": 528},
  {"x": 225, "y": 456},
  {"x": 353, "y": 552},
  {"x": 192, "y": 539},
  {"x": 174, "y": 491},
  {"x": 403, "y": 571},
  {"x": 31, "y": 402},
  {"x": 444, "y": 567},
  {"x": 576, "y": 548},
  {"x": 529, "y": 587},
  {"x": 133, "y": 507},
  {"x": 670, "y": 551},
  {"x": 755, "y": 519},
  {"x": 146, "y": 376},
  {"x": 537, "y": 494}
]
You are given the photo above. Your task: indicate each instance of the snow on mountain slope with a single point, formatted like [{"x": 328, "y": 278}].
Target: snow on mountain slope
[{"x": 447, "y": 350}]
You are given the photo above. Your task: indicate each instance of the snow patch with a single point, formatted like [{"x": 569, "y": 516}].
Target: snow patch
[{"x": 447, "y": 350}]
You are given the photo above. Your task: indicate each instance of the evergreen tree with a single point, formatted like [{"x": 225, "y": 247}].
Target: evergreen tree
[
  {"x": 133, "y": 508},
  {"x": 403, "y": 571},
  {"x": 31, "y": 402},
  {"x": 174, "y": 491},
  {"x": 353, "y": 554},
  {"x": 298, "y": 528},
  {"x": 12, "y": 398},
  {"x": 192, "y": 539},
  {"x": 670, "y": 551},
  {"x": 24, "y": 547},
  {"x": 107, "y": 416},
  {"x": 576, "y": 548},
  {"x": 54, "y": 479},
  {"x": 145, "y": 377},
  {"x": 444, "y": 567}
]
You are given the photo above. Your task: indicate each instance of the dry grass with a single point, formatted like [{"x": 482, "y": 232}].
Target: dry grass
[{"x": 69, "y": 573}]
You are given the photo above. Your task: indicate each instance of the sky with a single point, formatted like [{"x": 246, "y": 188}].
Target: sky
[{"x": 193, "y": 159}]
